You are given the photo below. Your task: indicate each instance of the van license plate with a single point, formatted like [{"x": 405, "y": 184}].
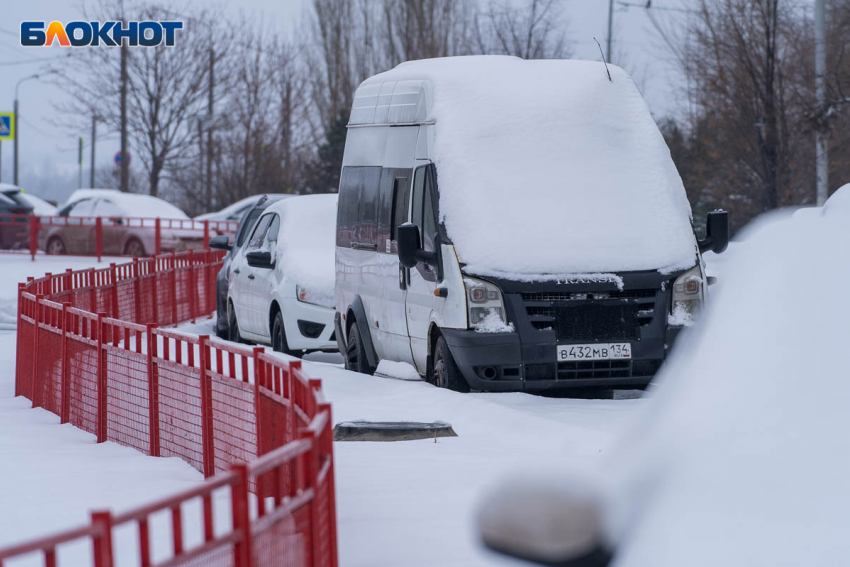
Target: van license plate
[{"x": 599, "y": 351}]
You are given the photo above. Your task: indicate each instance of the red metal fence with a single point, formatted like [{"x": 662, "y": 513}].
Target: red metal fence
[
  {"x": 91, "y": 350},
  {"x": 107, "y": 236}
]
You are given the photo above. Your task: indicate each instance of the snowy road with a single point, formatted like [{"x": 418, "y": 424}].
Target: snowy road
[{"x": 407, "y": 503}]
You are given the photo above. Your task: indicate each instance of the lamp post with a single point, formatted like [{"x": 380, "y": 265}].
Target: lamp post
[{"x": 17, "y": 120}]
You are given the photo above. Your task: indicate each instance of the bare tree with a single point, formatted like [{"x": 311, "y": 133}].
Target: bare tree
[{"x": 534, "y": 31}]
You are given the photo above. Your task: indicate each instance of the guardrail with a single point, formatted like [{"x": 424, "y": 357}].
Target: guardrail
[
  {"x": 91, "y": 350},
  {"x": 109, "y": 236}
]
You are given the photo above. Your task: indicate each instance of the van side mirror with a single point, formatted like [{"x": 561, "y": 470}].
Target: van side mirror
[
  {"x": 410, "y": 250},
  {"x": 716, "y": 232},
  {"x": 220, "y": 242},
  {"x": 260, "y": 259},
  {"x": 545, "y": 523}
]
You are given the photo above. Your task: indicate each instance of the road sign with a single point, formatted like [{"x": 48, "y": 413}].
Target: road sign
[
  {"x": 117, "y": 159},
  {"x": 7, "y": 126}
]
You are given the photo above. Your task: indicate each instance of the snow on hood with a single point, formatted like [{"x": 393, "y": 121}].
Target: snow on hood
[
  {"x": 40, "y": 207},
  {"x": 741, "y": 457},
  {"x": 307, "y": 241},
  {"x": 546, "y": 167}
]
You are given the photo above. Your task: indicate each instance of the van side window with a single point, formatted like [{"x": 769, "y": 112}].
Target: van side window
[
  {"x": 424, "y": 215},
  {"x": 401, "y": 204},
  {"x": 357, "y": 213}
]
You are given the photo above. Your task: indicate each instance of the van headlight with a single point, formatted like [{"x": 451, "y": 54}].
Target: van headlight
[
  {"x": 688, "y": 294},
  {"x": 307, "y": 295},
  {"x": 484, "y": 305}
]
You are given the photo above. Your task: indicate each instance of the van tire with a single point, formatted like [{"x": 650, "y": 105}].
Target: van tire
[
  {"x": 355, "y": 353},
  {"x": 279, "y": 343},
  {"x": 445, "y": 372}
]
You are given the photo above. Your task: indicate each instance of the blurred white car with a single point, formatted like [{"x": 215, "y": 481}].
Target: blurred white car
[
  {"x": 235, "y": 211},
  {"x": 40, "y": 207},
  {"x": 740, "y": 456},
  {"x": 128, "y": 221},
  {"x": 281, "y": 289}
]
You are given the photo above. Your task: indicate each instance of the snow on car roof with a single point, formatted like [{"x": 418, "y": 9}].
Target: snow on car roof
[
  {"x": 307, "y": 240},
  {"x": 133, "y": 204},
  {"x": 241, "y": 203},
  {"x": 547, "y": 167},
  {"x": 740, "y": 455}
]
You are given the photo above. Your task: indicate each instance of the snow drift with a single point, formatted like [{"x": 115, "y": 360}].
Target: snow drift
[
  {"x": 740, "y": 459},
  {"x": 548, "y": 168}
]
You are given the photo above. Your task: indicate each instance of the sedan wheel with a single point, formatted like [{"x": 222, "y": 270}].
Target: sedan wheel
[
  {"x": 232, "y": 325},
  {"x": 134, "y": 248},
  {"x": 56, "y": 246}
]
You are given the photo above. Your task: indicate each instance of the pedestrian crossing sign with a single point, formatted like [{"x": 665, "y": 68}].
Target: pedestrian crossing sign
[{"x": 7, "y": 126}]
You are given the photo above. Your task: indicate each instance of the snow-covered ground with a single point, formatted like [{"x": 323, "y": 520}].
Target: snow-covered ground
[
  {"x": 16, "y": 268},
  {"x": 410, "y": 503}
]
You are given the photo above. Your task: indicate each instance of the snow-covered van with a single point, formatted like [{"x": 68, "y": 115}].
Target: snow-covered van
[{"x": 513, "y": 225}]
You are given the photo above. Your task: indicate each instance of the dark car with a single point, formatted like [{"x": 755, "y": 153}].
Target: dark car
[
  {"x": 222, "y": 281},
  {"x": 14, "y": 218}
]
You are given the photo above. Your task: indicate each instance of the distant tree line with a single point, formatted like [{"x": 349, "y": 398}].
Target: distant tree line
[{"x": 280, "y": 101}]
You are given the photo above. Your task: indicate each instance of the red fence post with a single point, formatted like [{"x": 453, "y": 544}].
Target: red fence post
[
  {"x": 65, "y": 408},
  {"x": 154, "y": 275},
  {"x": 137, "y": 292},
  {"x": 36, "y": 383},
  {"x": 312, "y": 479},
  {"x": 18, "y": 342},
  {"x": 241, "y": 517},
  {"x": 33, "y": 236},
  {"x": 206, "y": 407},
  {"x": 101, "y": 379},
  {"x": 102, "y": 544},
  {"x": 327, "y": 450},
  {"x": 157, "y": 236},
  {"x": 172, "y": 281},
  {"x": 153, "y": 391},
  {"x": 98, "y": 237},
  {"x": 113, "y": 270},
  {"x": 193, "y": 286},
  {"x": 206, "y": 234},
  {"x": 258, "y": 379}
]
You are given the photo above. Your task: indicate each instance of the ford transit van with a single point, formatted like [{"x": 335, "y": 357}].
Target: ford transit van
[{"x": 513, "y": 225}]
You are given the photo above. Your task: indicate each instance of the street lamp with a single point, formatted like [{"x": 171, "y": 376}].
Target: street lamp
[{"x": 17, "y": 120}]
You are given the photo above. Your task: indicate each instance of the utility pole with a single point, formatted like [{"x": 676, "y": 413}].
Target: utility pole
[
  {"x": 93, "y": 137},
  {"x": 80, "y": 160},
  {"x": 209, "y": 128},
  {"x": 821, "y": 133},
  {"x": 125, "y": 166},
  {"x": 610, "y": 27}
]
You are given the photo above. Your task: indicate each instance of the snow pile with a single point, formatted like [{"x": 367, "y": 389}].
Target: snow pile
[
  {"x": 307, "y": 242},
  {"x": 546, "y": 167},
  {"x": 492, "y": 323},
  {"x": 40, "y": 207},
  {"x": 680, "y": 317},
  {"x": 397, "y": 370},
  {"x": 740, "y": 457}
]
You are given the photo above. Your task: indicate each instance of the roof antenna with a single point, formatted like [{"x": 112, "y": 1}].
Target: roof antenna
[{"x": 603, "y": 60}]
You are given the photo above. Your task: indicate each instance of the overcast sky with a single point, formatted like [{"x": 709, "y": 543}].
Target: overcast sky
[{"x": 48, "y": 160}]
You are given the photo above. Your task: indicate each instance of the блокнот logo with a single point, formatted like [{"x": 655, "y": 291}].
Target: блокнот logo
[{"x": 110, "y": 34}]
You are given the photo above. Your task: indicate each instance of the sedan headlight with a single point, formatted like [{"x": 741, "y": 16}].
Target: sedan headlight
[
  {"x": 306, "y": 295},
  {"x": 484, "y": 305},
  {"x": 688, "y": 294}
]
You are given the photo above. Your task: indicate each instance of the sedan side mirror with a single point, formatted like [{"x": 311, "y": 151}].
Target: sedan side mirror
[
  {"x": 260, "y": 259},
  {"x": 410, "y": 250},
  {"x": 220, "y": 242},
  {"x": 716, "y": 232},
  {"x": 545, "y": 522}
]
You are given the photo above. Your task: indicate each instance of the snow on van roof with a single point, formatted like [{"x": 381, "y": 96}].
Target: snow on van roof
[
  {"x": 547, "y": 168},
  {"x": 307, "y": 241}
]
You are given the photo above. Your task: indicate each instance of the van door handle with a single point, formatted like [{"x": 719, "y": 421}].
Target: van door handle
[
  {"x": 250, "y": 276},
  {"x": 363, "y": 246}
]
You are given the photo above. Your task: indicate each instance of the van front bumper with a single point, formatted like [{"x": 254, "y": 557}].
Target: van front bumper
[{"x": 501, "y": 362}]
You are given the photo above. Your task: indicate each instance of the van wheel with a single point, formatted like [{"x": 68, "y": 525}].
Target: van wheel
[
  {"x": 279, "y": 336},
  {"x": 232, "y": 325},
  {"x": 355, "y": 354},
  {"x": 445, "y": 373}
]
